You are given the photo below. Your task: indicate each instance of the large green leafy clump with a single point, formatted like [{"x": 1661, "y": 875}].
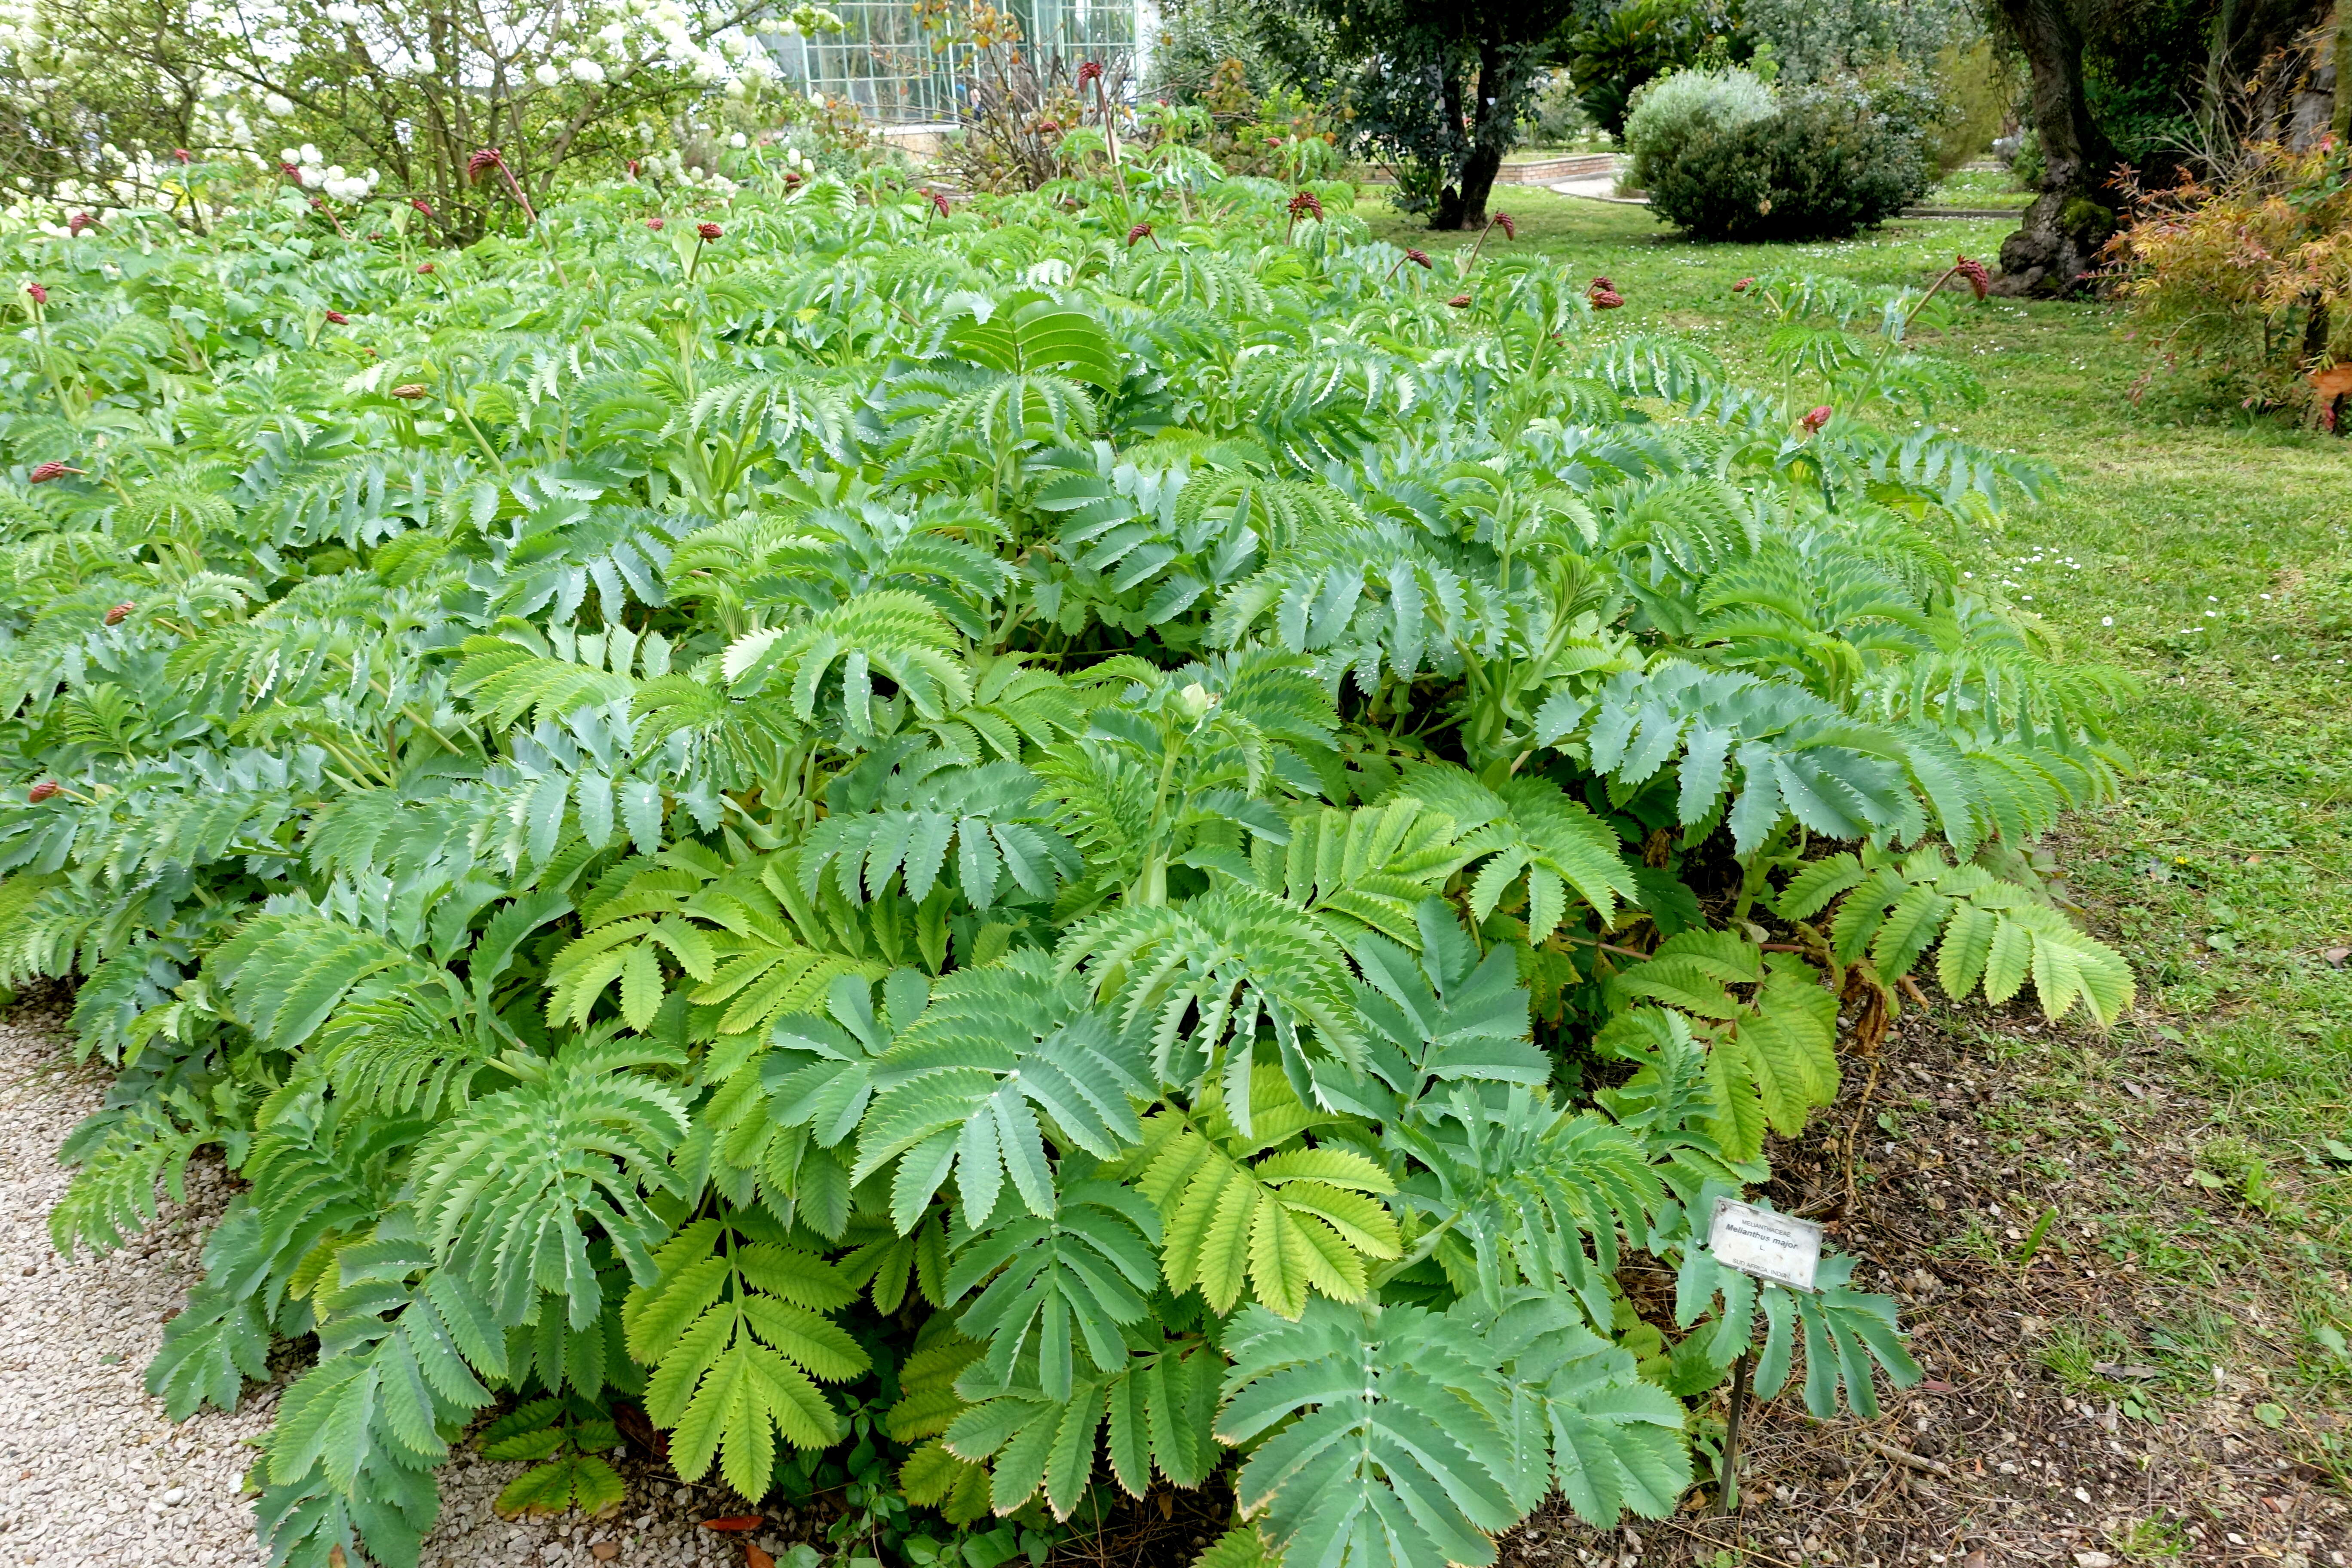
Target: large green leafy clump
[{"x": 941, "y": 847}]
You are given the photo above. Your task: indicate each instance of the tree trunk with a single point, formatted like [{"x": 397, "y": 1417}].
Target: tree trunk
[
  {"x": 1448, "y": 215},
  {"x": 1478, "y": 172},
  {"x": 2072, "y": 219},
  {"x": 2339, "y": 66},
  {"x": 2265, "y": 79},
  {"x": 1492, "y": 130}
]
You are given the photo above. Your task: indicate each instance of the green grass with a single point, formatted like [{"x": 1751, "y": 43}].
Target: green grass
[
  {"x": 2208, "y": 552},
  {"x": 1978, "y": 188}
]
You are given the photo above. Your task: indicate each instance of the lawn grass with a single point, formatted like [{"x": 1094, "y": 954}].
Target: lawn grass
[
  {"x": 2204, "y": 551},
  {"x": 1979, "y": 188}
]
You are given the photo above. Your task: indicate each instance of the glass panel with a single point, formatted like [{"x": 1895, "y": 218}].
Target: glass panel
[{"x": 898, "y": 72}]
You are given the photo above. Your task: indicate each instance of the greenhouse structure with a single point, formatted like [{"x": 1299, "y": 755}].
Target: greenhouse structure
[{"x": 896, "y": 62}]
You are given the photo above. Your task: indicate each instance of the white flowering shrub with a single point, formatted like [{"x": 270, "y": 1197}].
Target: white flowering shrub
[{"x": 111, "y": 104}]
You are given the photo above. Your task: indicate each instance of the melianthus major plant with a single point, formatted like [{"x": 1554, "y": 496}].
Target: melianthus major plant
[{"x": 1118, "y": 860}]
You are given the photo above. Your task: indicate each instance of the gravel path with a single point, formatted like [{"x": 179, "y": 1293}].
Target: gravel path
[{"x": 92, "y": 1472}]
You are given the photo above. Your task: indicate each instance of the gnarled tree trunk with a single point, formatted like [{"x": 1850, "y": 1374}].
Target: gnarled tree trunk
[
  {"x": 2060, "y": 239},
  {"x": 1492, "y": 130},
  {"x": 1448, "y": 215},
  {"x": 2339, "y": 74}
]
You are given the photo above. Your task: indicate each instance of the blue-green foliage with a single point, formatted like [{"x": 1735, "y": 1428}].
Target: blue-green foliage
[{"x": 958, "y": 820}]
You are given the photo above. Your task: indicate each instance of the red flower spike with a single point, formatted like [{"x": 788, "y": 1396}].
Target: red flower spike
[
  {"x": 1459, "y": 301},
  {"x": 1140, "y": 231},
  {"x": 484, "y": 158},
  {"x": 44, "y": 472},
  {"x": 1607, "y": 300},
  {"x": 1600, "y": 285},
  {"x": 633, "y": 168},
  {"x": 289, "y": 170},
  {"x": 1979, "y": 281},
  {"x": 708, "y": 231},
  {"x": 339, "y": 317},
  {"x": 1091, "y": 70},
  {"x": 40, "y": 295},
  {"x": 76, "y": 224},
  {"x": 654, "y": 224},
  {"x": 1744, "y": 285},
  {"x": 939, "y": 201},
  {"x": 43, "y": 790},
  {"x": 119, "y": 613},
  {"x": 424, "y": 269},
  {"x": 409, "y": 390},
  {"x": 420, "y": 205},
  {"x": 1307, "y": 203},
  {"x": 183, "y": 154},
  {"x": 1815, "y": 419},
  {"x": 1510, "y": 230},
  {"x": 1418, "y": 257}
]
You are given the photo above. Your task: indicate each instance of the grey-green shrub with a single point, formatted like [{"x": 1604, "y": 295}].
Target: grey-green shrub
[
  {"x": 1829, "y": 160},
  {"x": 1666, "y": 112}
]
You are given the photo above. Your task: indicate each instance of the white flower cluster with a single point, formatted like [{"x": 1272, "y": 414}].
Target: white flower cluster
[
  {"x": 674, "y": 170},
  {"x": 101, "y": 202},
  {"x": 330, "y": 178},
  {"x": 588, "y": 46},
  {"x": 523, "y": 48},
  {"x": 732, "y": 56},
  {"x": 222, "y": 123}
]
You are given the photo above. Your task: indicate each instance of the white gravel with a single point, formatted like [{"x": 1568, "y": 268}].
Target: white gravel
[{"x": 92, "y": 1472}]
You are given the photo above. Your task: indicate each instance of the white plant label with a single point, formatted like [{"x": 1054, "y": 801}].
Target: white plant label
[{"x": 1776, "y": 1246}]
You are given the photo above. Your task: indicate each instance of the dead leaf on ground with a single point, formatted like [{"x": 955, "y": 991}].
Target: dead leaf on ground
[{"x": 735, "y": 1521}]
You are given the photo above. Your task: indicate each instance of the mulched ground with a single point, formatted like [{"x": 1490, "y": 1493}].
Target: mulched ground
[{"x": 1994, "y": 1459}]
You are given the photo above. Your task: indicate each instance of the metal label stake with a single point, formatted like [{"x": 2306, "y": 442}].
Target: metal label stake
[
  {"x": 1727, "y": 1494},
  {"x": 1763, "y": 1245}
]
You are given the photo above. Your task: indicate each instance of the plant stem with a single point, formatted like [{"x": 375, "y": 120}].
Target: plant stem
[
  {"x": 1930, "y": 294},
  {"x": 479, "y": 440},
  {"x": 1478, "y": 247},
  {"x": 48, "y": 359}
]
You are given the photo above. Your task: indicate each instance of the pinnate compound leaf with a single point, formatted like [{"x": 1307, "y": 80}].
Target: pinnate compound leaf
[
  {"x": 1394, "y": 1449},
  {"x": 574, "y": 1480}
]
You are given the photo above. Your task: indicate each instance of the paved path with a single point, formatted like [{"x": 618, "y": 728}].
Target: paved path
[{"x": 93, "y": 1474}]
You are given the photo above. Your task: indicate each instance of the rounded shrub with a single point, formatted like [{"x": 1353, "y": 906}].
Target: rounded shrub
[
  {"x": 1667, "y": 112},
  {"x": 1827, "y": 160}
]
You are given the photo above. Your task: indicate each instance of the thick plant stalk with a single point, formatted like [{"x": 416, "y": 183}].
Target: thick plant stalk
[
  {"x": 490, "y": 158},
  {"x": 1510, "y": 231}
]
